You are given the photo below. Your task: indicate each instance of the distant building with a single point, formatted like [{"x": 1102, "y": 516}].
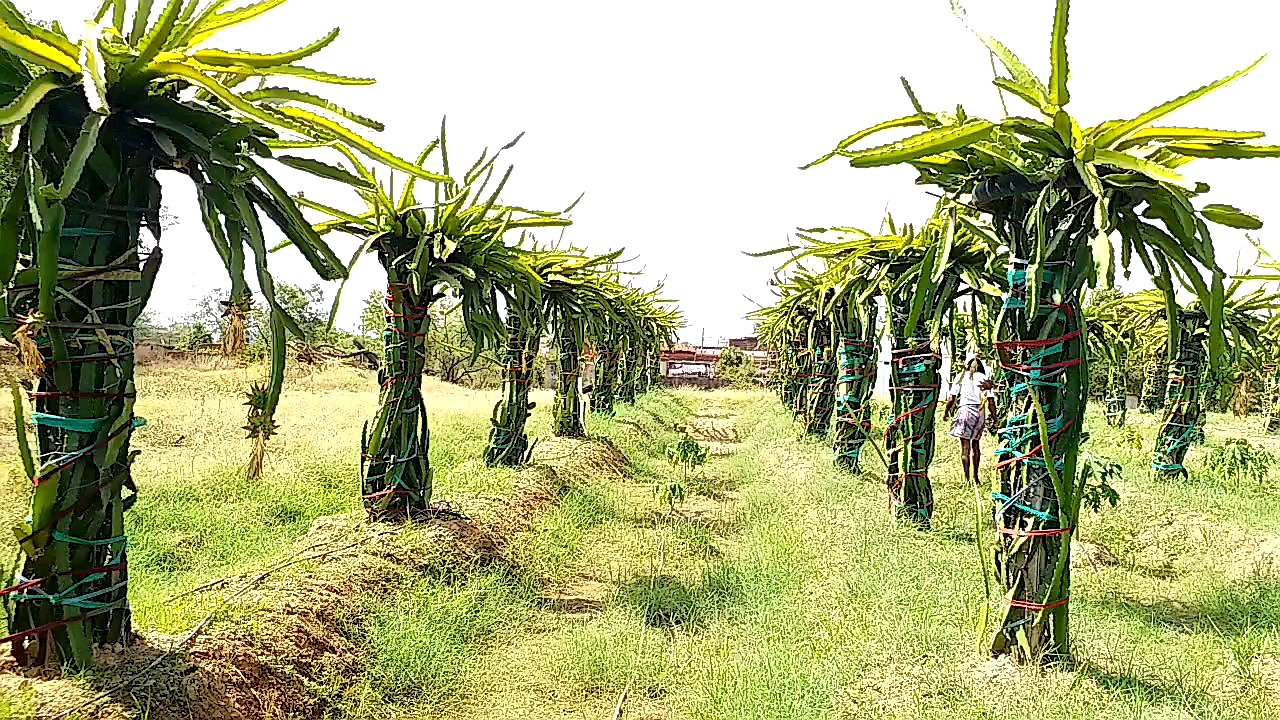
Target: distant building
[{"x": 685, "y": 361}]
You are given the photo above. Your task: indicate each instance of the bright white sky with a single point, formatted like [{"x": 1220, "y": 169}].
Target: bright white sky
[{"x": 685, "y": 122}]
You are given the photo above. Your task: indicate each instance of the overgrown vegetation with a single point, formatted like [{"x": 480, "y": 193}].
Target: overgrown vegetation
[{"x": 736, "y": 367}]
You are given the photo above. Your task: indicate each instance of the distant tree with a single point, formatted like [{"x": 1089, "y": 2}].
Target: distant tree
[
  {"x": 451, "y": 353},
  {"x": 737, "y": 367},
  {"x": 147, "y": 330},
  {"x": 373, "y": 319},
  {"x": 190, "y": 336}
]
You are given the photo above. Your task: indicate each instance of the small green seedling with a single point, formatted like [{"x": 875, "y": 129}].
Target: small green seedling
[
  {"x": 686, "y": 454},
  {"x": 1097, "y": 472}
]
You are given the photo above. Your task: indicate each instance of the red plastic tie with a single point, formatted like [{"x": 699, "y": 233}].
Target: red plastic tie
[{"x": 1038, "y": 343}]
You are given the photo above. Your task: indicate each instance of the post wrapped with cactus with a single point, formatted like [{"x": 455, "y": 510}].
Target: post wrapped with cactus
[
  {"x": 1062, "y": 196},
  {"x": 822, "y": 384},
  {"x": 527, "y": 319},
  {"x": 93, "y": 119},
  {"x": 579, "y": 302},
  {"x": 1120, "y": 327},
  {"x": 798, "y": 326},
  {"x": 1183, "y": 396},
  {"x": 1248, "y": 312},
  {"x": 648, "y": 326},
  {"x": 850, "y": 303},
  {"x": 1271, "y": 417},
  {"x": 508, "y": 443},
  {"x": 568, "y": 413},
  {"x": 790, "y": 385},
  {"x": 605, "y": 380},
  {"x": 856, "y": 360},
  {"x": 454, "y": 244},
  {"x": 1154, "y": 386},
  {"x": 395, "y": 467},
  {"x": 628, "y": 370},
  {"x": 909, "y": 439},
  {"x": 804, "y": 362}
]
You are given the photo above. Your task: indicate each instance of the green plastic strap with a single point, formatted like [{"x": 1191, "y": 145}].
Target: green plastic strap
[
  {"x": 71, "y": 232},
  {"x": 80, "y": 425}
]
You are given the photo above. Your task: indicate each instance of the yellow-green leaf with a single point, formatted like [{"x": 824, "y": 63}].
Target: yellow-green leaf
[
  {"x": 326, "y": 126},
  {"x": 275, "y": 95},
  {"x": 1235, "y": 151},
  {"x": 930, "y": 142},
  {"x": 1186, "y": 134},
  {"x": 1153, "y": 170},
  {"x": 1121, "y": 132},
  {"x": 17, "y": 111},
  {"x": 37, "y": 51},
  {"x": 1231, "y": 216},
  {"x": 908, "y": 121},
  {"x": 1059, "y": 95},
  {"x": 93, "y": 69},
  {"x": 255, "y": 60},
  {"x": 158, "y": 35},
  {"x": 1023, "y": 82},
  {"x": 209, "y": 25}
]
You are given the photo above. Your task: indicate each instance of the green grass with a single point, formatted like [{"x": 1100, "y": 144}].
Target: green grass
[
  {"x": 811, "y": 603},
  {"x": 551, "y": 551},
  {"x": 423, "y": 642}
]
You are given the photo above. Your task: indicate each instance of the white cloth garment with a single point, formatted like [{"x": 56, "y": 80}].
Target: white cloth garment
[{"x": 968, "y": 386}]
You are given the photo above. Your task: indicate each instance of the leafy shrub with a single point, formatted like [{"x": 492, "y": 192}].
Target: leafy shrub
[
  {"x": 737, "y": 367},
  {"x": 1098, "y": 472},
  {"x": 192, "y": 335},
  {"x": 1131, "y": 438},
  {"x": 1236, "y": 461}
]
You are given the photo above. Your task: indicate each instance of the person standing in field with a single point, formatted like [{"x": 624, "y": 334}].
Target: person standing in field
[{"x": 970, "y": 391}]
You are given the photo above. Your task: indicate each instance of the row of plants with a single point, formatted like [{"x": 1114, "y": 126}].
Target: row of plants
[
  {"x": 1031, "y": 211},
  {"x": 90, "y": 121}
]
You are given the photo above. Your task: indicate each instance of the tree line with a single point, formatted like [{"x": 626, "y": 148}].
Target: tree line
[
  {"x": 90, "y": 120},
  {"x": 1033, "y": 214}
]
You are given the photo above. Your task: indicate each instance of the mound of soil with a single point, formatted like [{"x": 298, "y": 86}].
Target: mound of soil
[{"x": 277, "y": 647}]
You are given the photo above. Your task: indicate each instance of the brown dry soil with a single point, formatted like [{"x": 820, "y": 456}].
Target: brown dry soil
[{"x": 275, "y": 640}]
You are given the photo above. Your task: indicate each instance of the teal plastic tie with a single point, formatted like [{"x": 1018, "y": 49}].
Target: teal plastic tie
[
  {"x": 1009, "y": 502},
  {"x": 72, "y": 540},
  {"x": 80, "y": 425},
  {"x": 72, "y": 232}
]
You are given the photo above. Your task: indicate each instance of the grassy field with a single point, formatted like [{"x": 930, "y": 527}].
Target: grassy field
[{"x": 779, "y": 588}]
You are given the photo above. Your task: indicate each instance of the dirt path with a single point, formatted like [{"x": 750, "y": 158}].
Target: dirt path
[{"x": 598, "y": 628}]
